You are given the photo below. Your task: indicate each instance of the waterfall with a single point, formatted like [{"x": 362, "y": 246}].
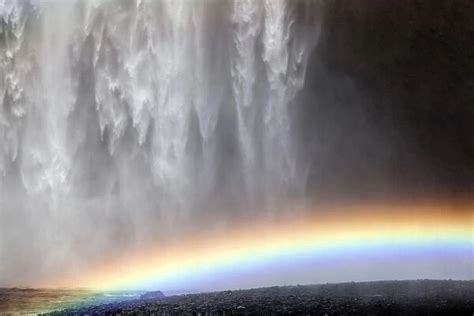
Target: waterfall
[{"x": 147, "y": 112}]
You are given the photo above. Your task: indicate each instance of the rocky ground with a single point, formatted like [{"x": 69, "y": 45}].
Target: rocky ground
[{"x": 421, "y": 297}]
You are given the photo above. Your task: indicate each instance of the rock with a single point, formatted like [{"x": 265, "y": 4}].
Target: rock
[{"x": 152, "y": 295}]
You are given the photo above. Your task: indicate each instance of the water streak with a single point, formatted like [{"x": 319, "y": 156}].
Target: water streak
[{"x": 144, "y": 113}]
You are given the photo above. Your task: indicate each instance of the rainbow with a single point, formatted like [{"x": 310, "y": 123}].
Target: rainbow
[{"x": 335, "y": 244}]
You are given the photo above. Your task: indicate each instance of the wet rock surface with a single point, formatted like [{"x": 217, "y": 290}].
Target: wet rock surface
[
  {"x": 421, "y": 297},
  {"x": 390, "y": 85}
]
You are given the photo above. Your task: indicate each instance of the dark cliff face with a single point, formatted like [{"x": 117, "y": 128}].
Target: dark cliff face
[{"x": 388, "y": 105}]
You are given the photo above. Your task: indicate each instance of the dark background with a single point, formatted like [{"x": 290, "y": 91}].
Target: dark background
[{"x": 388, "y": 105}]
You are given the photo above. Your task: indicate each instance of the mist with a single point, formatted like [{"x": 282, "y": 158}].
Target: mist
[{"x": 127, "y": 123}]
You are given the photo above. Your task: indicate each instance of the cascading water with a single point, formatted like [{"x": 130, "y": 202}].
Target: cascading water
[{"x": 143, "y": 113}]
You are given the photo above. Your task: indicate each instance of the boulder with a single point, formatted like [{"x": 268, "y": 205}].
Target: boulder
[{"x": 152, "y": 295}]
